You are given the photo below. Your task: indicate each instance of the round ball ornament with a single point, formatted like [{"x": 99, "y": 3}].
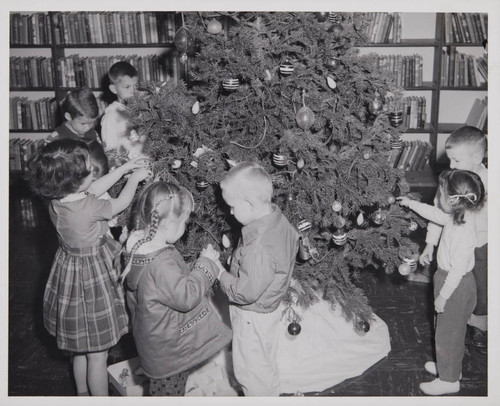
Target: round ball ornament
[
  {"x": 404, "y": 269},
  {"x": 214, "y": 26},
  {"x": 391, "y": 200},
  {"x": 339, "y": 237},
  {"x": 305, "y": 118},
  {"x": 364, "y": 326},
  {"x": 367, "y": 154},
  {"x": 300, "y": 163},
  {"x": 379, "y": 217},
  {"x": 376, "y": 106},
  {"x": 336, "y": 206},
  {"x": 176, "y": 164},
  {"x": 338, "y": 221},
  {"x": 413, "y": 226},
  {"x": 231, "y": 84},
  {"x": 322, "y": 16},
  {"x": 183, "y": 41},
  {"x": 333, "y": 64},
  {"x": 336, "y": 29},
  {"x": 294, "y": 328},
  {"x": 286, "y": 68}
]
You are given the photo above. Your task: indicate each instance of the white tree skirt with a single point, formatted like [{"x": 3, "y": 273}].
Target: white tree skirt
[{"x": 326, "y": 352}]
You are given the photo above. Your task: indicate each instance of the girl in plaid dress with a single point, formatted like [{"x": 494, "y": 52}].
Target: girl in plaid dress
[{"x": 83, "y": 304}]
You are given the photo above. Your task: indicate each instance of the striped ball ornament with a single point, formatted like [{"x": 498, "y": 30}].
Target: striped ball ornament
[
  {"x": 286, "y": 69},
  {"x": 339, "y": 237},
  {"x": 396, "y": 143},
  {"x": 231, "y": 84},
  {"x": 304, "y": 226},
  {"x": 279, "y": 160},
  {"x": 202, "y": 184}
]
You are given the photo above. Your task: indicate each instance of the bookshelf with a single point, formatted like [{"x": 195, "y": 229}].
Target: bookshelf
[
  {"x": 75, "y": 48},
  {"x": 435, "y": 37},
  {"x": 54, "y": 52}
]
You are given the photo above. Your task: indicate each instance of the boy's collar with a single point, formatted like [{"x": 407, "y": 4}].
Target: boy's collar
[{"x": 256, "y": 227}]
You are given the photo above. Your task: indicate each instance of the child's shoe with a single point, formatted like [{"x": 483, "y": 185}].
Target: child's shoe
[
  {"x": 430, "y": 366},
  {"x": 478, "y": 337},
  {"x": 439, "y": 387}
]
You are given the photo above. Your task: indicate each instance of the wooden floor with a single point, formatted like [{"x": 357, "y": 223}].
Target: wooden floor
[{"x": 37, "y": 368}]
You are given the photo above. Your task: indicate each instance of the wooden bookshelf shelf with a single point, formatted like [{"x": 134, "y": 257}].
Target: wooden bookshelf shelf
[
  {"x": 414, "y": 43},
  {"x": 422, "y": 179},
  {"x": 131, "y": 45},
  {"x": 454, "y": 88}
]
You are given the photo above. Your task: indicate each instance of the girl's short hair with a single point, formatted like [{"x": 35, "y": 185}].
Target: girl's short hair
[
  {"x": 59, "y": 168},
  {"x": 465, "y": 191},
  {"x": 98, "y": 159},
  {"x": 81, "y": 102},
  {"x": 166, "y": 199},
  {"x": 120, "y": 69}
]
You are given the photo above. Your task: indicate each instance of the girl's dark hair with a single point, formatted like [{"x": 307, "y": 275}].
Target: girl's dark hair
[
  {"x": 59, "y": 168},
  {"x": 81, "y": 102},
  {"x": 465, "y": 191},
  {"x": 156, "y": 202},
  {"x": 98, "y": 159}
]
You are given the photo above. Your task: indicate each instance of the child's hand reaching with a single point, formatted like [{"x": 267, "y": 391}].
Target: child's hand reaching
[
  {"x": 135, "y": 163},
  {"x": 404, "y": 201},
  {"x": 140, "y": 174},
  {"x": 210, "y": 252}
]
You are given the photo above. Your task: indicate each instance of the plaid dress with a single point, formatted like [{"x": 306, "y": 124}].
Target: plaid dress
[{"x": 83, "y": 305}]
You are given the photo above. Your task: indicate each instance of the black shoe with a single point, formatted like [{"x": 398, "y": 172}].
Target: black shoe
[{"x": 479, "y": 337}]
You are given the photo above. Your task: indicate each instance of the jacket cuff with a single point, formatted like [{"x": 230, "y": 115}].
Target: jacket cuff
[{"x": 208, "y": 268}]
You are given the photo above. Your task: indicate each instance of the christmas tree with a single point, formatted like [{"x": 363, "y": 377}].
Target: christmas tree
[{"x": 290, "y": 91}]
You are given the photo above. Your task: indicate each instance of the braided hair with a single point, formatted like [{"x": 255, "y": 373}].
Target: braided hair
[{"x": 158, "y": 201}]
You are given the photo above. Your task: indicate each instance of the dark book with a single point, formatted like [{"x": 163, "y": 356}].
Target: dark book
[{"x": 425, "y": 158}]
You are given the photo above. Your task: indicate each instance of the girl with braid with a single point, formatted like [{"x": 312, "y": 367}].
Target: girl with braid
[{"x": 175, "y": 328}]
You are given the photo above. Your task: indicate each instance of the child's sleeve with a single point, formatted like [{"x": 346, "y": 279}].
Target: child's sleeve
[
  {"x": 462, "y": 245},
  {"x": 255, "y": 274},
  {"x": 433, "y": 230},
  {"x": 99, "y": 209},
  {"x": 429, "y": 212},
  {"x": 181, "y": 291}
]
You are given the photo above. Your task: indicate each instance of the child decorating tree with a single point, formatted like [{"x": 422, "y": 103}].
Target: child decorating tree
[
  {"x": 83, "y": 304},
  {"x": 80, "y": 113},
  {"x": 116, "y": 132},
  {"x": 175, "y": 327},
  {"x": 261, "y": 270},
  {"x": 461, "y": 193},
  {"x": 466, "y": 149}
]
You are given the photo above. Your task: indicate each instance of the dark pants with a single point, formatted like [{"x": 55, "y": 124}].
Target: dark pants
[
  {"x": 451, "y": 325},
  {"x": 480, "y": 272}
]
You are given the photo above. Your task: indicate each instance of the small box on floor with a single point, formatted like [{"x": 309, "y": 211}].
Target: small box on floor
[{"x": 124, "y": 379}]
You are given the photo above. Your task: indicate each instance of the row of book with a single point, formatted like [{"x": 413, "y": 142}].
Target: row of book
[
  {"x": 478, "y": 115},
  {"x": 77, "y": 71},
  {"x": 28, "y": 114},
  {"x": 470, "y": 28},
  {"x": 30, "y": 29},
  {"x": 21, "y": 150},
  {"x": 459, "y": 69},
  {"x": 380, "y": 28},
  {"x": 411, "y": 156},
  {"x": 406, "y": 70},
  {"x": 413, "y": 109},
  {"x": 113, "y": 27},
  {"x": 33, "y": 71}
]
